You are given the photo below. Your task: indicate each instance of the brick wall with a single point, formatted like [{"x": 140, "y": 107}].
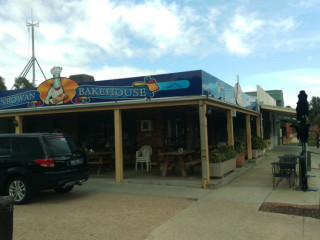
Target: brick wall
[
  {"x": 154, "y": 138},
  {"x": 68, "y": 124}
]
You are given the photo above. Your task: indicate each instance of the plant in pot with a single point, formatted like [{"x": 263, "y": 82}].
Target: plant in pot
[
  {"x": 240, "y": 154},
  {"x": 258, "y": 146},
  {"x": 222, "y": 160}
]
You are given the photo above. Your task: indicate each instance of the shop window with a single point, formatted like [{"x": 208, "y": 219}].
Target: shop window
[{"x": 146, "y": 125}]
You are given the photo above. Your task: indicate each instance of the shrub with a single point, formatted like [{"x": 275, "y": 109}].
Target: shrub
[
  {"x": 240, "y": 147},
  {"x": 221, "y": 154},
  {"x": 258, "y": 143}
]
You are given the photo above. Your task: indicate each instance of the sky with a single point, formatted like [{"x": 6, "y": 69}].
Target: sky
[{"x": 271, "y": 43}]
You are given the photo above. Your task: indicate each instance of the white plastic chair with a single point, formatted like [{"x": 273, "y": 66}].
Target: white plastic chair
[{"x": 143, "y": 157}]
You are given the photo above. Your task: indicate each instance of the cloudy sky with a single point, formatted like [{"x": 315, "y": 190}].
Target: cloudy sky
[{"x": 268, "y": 42}]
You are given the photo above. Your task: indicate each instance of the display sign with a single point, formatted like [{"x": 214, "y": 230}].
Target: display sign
[{"x": 61, "y": 91}]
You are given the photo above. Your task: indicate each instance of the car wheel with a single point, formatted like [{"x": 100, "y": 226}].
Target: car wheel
[
  {"x": 64, "y": 190},
  {"x": 19, "y": 189}
]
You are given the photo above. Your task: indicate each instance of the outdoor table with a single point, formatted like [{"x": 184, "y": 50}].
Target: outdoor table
[
  {"x": 284, "y": 169},
  {"x": 174, "y": 157},
  {"x": 289, "y": 158},
  {"x": 99, "y": 159}
]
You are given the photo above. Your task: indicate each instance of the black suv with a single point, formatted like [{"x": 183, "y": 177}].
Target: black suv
[{"x": 31, "y": 162}]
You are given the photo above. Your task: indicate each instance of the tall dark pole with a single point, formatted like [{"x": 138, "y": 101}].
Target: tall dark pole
[{"x": 303, "y": 134}]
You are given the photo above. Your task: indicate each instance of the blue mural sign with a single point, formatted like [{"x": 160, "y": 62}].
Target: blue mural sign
[{"x": 62, "y": 91}]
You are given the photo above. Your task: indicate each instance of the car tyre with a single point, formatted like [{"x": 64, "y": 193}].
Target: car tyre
[
  {"x": 64, "y": 190},
  {"x": 19, "y": 189}
]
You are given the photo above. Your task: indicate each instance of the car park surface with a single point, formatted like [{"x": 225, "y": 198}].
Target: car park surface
[
  {"x": 99, "y": 209},
  {"x": 103, "y": 209}
]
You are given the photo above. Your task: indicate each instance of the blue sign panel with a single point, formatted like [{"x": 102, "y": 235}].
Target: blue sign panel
[{"x": 64, "y": 91}]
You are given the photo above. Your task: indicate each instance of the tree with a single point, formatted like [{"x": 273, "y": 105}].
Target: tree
[
  {"x": 2, "y": 85},
  {"x": 22, "y": 83},
  {"x": 315, "y": 128},
  {"x": 314, "y": 108},
  {"x": 316, "y": 120}
]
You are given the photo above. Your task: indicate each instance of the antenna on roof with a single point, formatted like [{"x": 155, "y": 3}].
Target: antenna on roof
[{"x": 33, "y": 59}]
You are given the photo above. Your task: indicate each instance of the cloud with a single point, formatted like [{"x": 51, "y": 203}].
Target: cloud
[
  {"x": 249, "y": 89},
  {"x": 241, "y": 35},
  {"x": 95, "y": 36},
  {"x": 290, "y": 99},
  {"x": 212, "y": 17},
  {"x": 249, "y": 31},
  {"x": 282, "y": 25},
  {"x": 148, "y": 29},
  {"x": 307, "y": 79},
  {"x": 124, "y": 72},
  {"x": 306, "y": 4}
]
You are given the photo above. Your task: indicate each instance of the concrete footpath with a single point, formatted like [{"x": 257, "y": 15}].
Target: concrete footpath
[
  {"x": 103, "y": 209},
  {"x": 231, "y": 212}
]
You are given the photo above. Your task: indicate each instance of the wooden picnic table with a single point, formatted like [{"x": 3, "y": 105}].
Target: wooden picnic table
[
  {"x": 100, "y": 159},
  {"x": 180, "y": 158}
]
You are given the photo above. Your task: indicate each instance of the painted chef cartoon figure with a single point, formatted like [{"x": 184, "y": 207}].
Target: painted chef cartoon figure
[{"x": 56, "y": 94}]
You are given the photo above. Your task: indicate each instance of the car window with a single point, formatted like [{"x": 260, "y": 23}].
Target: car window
[
  {"x": 73, "y": 146},
  {"x": 59, "y": 145},
  {"x": 26, "y": 147},
  {"x": 4, "y": 146}
]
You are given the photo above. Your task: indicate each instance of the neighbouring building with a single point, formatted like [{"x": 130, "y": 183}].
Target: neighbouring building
[{"x": 276, "y": 118}]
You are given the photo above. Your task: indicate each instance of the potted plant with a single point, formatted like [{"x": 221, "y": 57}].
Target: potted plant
[
  {"x": 258, "y": 146},
  {"x": 222, "y": 160},
  {"x": 240, "y": 154}
]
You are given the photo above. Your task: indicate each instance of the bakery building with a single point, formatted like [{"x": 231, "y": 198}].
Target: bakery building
[{"x": 187, "y": 112}]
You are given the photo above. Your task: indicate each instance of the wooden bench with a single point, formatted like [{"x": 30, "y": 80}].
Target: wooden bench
[{"x": 192, "y": 163}]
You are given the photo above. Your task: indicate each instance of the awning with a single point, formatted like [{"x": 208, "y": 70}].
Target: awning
[{"x": 281, "y": 111}]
